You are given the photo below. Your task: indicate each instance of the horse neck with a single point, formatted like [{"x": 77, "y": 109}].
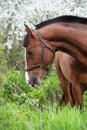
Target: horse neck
[
  {"x": 67, "y": 39},
  {"x": 74, "y": 25}
]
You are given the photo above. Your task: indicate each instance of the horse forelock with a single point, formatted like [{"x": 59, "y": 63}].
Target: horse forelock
[{"x": 26, "y": 40}]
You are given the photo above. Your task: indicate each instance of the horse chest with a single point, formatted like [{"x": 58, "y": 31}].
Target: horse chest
[
  {"x": 78, "y": 72},
  {"x": 65, "y": 66},
  {"x": 83, "y": 78},
  {"x": 72, "y": 70}
]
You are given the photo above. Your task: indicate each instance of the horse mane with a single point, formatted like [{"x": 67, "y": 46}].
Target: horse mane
[
  {"x": 26, "y": 39},
  {"x": 65, "y": 18}
]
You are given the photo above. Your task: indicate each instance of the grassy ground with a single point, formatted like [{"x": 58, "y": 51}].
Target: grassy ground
[
  {"x": 24, "y": 117},
  {"x": 22, "y": 108}
]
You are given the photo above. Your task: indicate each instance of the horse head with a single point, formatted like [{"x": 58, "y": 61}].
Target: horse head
[{"x": 38, "y": 56}]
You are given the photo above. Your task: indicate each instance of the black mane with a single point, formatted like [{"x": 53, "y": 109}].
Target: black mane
[
  {"x": 66, "y": 18},
  {"x": 26, "y": 39}
]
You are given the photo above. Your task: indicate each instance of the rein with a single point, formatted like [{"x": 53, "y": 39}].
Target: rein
[{"x": 44, "y": 45}]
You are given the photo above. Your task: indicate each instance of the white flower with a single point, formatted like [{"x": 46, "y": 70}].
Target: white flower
[{"x": 13, "y": 13}]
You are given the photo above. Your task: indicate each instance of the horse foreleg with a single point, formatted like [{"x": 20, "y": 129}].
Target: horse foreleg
[
  {"x": 62, "y": 100},
  {"x": 77, "y": 94},
  {"x": 65, "y": 86},
  {"x": 67, "y": 93}
]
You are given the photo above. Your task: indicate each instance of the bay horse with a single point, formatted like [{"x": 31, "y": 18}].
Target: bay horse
[
  {"x": 69, "y": 36},
  {"x": 60, "y": 60}
]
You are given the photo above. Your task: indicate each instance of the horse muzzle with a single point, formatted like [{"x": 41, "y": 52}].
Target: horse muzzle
[{"x": 34, "y": 81}]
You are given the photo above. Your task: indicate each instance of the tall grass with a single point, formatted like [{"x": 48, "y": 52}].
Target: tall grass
[
  {"x": 22, "y": 108},
  {"x": 23, "y": 117}
]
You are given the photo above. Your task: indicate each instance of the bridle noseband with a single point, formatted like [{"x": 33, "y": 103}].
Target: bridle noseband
[{"x": 44, "y": 45}]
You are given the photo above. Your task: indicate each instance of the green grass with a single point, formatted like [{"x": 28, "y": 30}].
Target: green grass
[
  {"x": 22, "y": 108},
  {"x": 23, "y": 117}
]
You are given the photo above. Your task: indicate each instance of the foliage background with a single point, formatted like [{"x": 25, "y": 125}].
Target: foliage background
[{"x": 21, "y": 107}]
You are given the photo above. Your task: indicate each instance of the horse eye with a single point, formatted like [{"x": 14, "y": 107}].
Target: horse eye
[{"x": 30, "y": 53}]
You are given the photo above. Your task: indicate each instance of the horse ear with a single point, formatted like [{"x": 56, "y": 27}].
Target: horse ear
[{"x": 28, "y": 30}]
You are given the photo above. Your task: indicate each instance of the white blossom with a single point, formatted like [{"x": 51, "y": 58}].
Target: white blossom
[{"x": 13, "y": 14}]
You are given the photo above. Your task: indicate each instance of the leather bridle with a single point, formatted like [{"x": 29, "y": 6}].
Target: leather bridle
[{"x": 44, "y": 45}]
